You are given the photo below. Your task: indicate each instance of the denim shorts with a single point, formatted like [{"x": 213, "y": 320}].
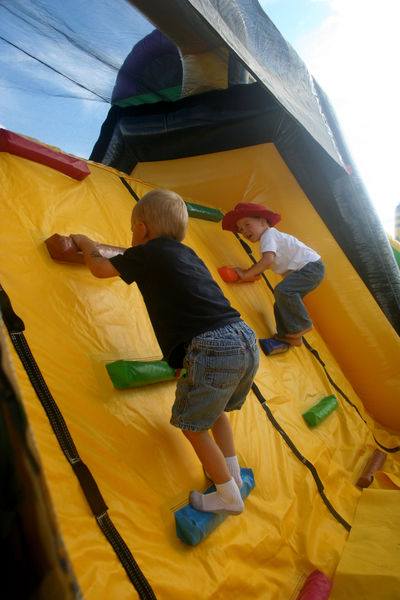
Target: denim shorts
[{"x": 221, "y": 366}]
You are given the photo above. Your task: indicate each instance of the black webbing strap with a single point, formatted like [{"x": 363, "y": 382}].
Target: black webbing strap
[
  {"x": 9, "y": 402},
  {"x": 15, "y": 327},
  {"x": 297, "y": 453},
  {"x": 337, "y": 388},
  {"x": 317, "y": 356},
  {"x": 130, "y": 189}
]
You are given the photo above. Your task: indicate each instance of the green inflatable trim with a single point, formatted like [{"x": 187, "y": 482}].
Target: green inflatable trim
[
  {"x": 396, "y": 255},
  {"x": 203, "y": 212},
  {"x": 317, "y": 413},
  {"x": 131, "y": 373},
  {"x": 169, "y": 94}
]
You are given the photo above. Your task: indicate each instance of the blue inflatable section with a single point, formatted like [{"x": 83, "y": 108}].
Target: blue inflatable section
[{"x": 192, "y": 525}]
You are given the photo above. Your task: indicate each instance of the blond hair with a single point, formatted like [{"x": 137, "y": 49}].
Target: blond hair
[{"x": 164, "y": 211}]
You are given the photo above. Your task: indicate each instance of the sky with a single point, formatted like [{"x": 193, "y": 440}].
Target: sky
[{"x": 350, "y": 47}]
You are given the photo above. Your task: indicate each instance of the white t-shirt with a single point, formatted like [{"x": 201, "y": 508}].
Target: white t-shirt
[{"x": 290, "y": 253}]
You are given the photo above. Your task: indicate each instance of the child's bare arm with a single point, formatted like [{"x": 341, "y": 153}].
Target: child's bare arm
[
  {"x": 264, "y": 263},
  {"x": 98, "y": 265}
]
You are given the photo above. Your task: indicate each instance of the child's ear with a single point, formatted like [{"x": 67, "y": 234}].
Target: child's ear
[
  {"x": 148, "y": 232},
  {"x": 144, "y": 230}
]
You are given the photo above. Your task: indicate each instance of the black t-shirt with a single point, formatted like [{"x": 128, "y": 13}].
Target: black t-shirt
[{"x": 181, "y": 297}]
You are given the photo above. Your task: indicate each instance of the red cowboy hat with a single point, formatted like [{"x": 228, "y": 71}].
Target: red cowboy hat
[{"x": 247, "y": 209}]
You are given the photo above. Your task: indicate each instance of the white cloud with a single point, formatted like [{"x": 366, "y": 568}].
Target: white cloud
[{"x": 354, "y": 56}]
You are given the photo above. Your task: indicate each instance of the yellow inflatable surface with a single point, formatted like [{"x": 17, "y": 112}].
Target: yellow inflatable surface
[
  {"x": 369, "y": 566},
  {"x": 75, "y": 324}
]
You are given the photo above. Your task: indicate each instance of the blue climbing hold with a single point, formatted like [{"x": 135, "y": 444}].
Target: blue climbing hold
[
  {"x": 273, "y": 346},
  {"x": 193, "y": 526}
]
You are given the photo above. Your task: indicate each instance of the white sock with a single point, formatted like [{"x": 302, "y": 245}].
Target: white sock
[
  {"x": 226, "y": 499},
  {"x": 234, "y": 469}
]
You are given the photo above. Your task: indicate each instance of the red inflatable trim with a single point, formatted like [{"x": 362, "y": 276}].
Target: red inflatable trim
[
  {"x": 16, "y": 144},
  {"x": 316, "y": 587}
]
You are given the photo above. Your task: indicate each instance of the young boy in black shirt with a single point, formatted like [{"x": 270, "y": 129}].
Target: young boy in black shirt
[{"x": 196, "y": 328}]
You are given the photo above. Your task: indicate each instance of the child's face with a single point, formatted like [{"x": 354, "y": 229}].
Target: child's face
[{"x": 252, "y": 228}]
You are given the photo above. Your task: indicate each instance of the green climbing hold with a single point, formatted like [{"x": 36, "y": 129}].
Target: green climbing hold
[
  {"x": 317, "y": 413},
  {"x": 203, "y": 212},
  {"x": 132, "y": 373}
]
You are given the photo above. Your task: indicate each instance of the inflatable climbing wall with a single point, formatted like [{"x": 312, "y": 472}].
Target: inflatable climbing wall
[{"x": 114, "y": 472}]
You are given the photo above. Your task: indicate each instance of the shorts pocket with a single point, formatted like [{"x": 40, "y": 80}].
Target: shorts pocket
[{"x": 223, "y": 368}]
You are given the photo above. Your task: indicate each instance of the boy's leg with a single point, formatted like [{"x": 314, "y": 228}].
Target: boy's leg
[
  {"x": 290, "y": 313},
  {"x": 227, "y": 498},
  {"x": 210, "y": 455},
  {"x": 223, "y": 436}
]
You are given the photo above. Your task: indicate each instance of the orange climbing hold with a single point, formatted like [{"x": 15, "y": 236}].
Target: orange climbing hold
[{"x": 230, "y": 275}]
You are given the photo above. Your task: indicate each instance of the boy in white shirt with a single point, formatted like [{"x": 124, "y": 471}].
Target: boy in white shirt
[{"x": 300, "y": 266}]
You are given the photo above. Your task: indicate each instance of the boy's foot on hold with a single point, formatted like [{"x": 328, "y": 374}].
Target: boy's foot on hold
[
  {"x": 293, "y": 341},
  {"x": 226, "y": 500},
  {"x": 299, "y": 333}
]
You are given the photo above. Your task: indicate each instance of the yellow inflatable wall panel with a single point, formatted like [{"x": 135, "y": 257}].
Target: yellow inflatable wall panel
[
  {"x": 369, "y": 565},
  {"x": 143, "y": 466}
]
